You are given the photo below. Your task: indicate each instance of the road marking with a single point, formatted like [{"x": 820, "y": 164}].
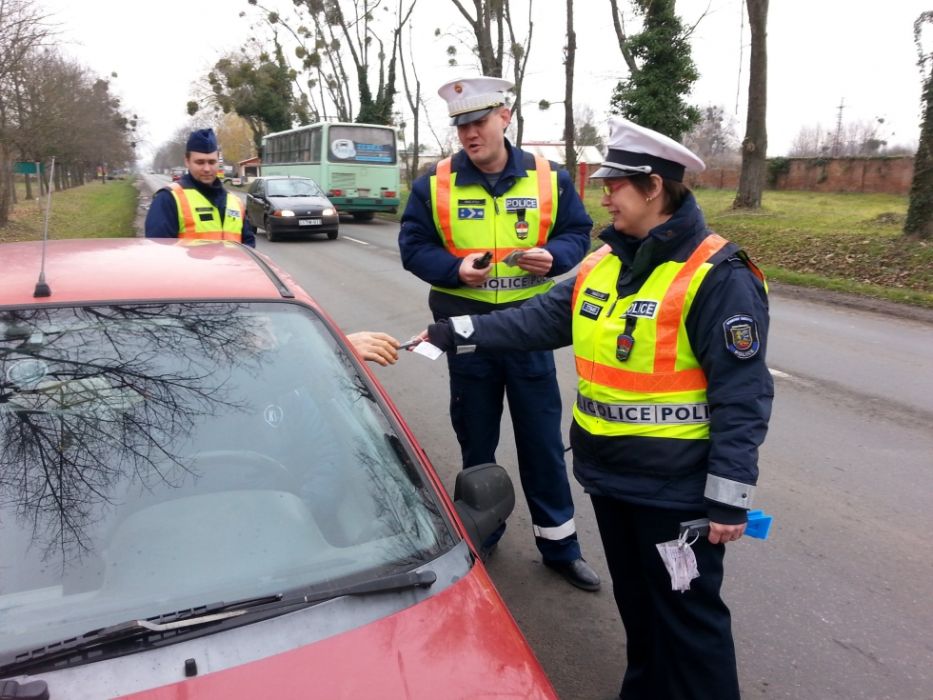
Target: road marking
[
  {"x": 779, "y": 374},
  {"x": 348, "y": 238}
]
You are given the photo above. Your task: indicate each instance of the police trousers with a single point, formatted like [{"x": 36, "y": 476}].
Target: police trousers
[
  {"x": 679, "y": 644},
  {"x": 478, "y": 383}
]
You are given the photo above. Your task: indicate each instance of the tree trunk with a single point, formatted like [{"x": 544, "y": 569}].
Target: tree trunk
[
  {"x": 919, "y": 223},
  {"x": 7, "y": 185},
  {"x": 755, "y": 144},
  {"x": 570, "y": 157}
]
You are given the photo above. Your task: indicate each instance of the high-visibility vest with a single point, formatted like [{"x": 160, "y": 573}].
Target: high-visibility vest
[
  {"x": 199, "y": 218},
  {"x": 659, "y": 390},
  {"x": 470, "y": 220}
]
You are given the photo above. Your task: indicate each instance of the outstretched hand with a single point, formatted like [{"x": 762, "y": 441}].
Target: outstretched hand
[{"x": 374, "y": 346}]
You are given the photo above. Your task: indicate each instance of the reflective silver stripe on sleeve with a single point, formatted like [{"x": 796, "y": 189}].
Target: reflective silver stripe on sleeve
[
  {"x": 557, "y": 532},
  {"x": 728, "y": 492},
  {"x": 647, "y": 413},
  {"x": 509, "y": 283},
  {"x": 463, "y": 325}
]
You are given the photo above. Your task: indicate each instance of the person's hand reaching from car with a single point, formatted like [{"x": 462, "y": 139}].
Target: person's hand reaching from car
[{"x": 374, "y": 346}]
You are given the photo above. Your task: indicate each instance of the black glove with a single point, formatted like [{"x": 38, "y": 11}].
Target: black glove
[{"x": 441, "y": 334}]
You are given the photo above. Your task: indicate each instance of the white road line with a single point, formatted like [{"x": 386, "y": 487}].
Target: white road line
[
  {"x": 779, "y": 374},
  {"x": 348, "y": 238}
]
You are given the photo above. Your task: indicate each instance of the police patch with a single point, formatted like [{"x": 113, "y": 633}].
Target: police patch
[
  {"x": 471, "y": 213},
  {"x": 741, "y": 336},
  {"x": 233, "y": 213},
  {"x": 516, "y": 203},
  {"x": 642, "y": 308},
  {"x": 596, "y": 294},
  {"x": 590, "y": 310}
]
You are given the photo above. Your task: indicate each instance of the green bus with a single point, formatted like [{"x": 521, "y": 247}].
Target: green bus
[{"x": 355, "y": 164}]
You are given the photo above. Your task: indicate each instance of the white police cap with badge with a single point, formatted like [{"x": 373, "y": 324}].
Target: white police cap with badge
[
  {"x": 469, "y": 99},
  {"x": 635, "y": 149}
]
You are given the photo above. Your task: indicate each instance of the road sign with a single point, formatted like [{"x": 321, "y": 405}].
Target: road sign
[{"x": 24, "y": 167}]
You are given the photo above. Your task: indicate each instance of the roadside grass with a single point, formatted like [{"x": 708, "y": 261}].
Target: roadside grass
[
  {"x": 843, "y": 242},
  {"x": 94, "y": 210}
]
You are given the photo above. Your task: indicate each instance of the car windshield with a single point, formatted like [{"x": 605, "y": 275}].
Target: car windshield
[
  {"x": 158, "y": 457},
  {"x": 293, "y": 188}
]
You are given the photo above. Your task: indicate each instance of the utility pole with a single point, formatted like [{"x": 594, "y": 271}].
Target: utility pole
[{"x": 837, "y": 137}]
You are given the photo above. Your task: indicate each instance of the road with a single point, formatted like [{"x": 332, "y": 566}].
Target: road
[{"x": 835, "y": 604}]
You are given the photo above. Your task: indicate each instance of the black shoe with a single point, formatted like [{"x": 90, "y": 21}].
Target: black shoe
[{"x": 576, "y": 572}]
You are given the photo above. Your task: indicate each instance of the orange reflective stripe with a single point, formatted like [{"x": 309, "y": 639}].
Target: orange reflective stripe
[
  {"x": 186, "y": 214},
  {"x": 626, "y": 380},
  {"x": 672, "y": 306},
  {"x": 442, "y": 173},
  {"x": 589, "y": 262},
  {"x": 545, "y": 200},
  {"x": 211, "y": 235}
]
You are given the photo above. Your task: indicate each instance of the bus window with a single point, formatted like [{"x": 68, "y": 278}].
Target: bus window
[{"x": 360, "y": 144}]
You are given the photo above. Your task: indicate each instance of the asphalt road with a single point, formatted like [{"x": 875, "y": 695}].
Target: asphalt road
[{"x": 837, "y": 603}]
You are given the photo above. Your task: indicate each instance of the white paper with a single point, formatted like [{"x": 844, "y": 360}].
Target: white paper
[{"x": 432, "y": 352}]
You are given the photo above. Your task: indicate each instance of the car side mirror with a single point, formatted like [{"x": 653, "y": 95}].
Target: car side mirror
[{"x": 484, "y": 498}]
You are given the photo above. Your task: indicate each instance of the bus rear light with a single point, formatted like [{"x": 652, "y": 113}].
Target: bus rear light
[
  {"x": 388, "y": 193},
  {"x": 335, "y": 193}
]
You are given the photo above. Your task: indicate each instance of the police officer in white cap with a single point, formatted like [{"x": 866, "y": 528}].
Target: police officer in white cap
[
  {"x": 669, "y": 326},
  {"x": 489, "y": 228}
]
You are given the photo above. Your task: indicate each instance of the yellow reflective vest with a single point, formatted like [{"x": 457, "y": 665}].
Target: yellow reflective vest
[
  {"x": 199, "y": 218},
  {"x": 470, "y": 220},
  {"x": 637, "y": 374}
]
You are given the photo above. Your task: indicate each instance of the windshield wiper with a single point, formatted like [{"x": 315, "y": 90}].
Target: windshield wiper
[
  {"x": 131, "y": 630},
  {"x": 383, "y": 584},
  {"x": 179, "y": 622}
]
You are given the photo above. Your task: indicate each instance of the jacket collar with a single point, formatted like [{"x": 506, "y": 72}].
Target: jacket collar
[
  {"x": 662, "y": 240},
  {"x": 469, "y": 174},
  {"x": 210, "y": 191}
]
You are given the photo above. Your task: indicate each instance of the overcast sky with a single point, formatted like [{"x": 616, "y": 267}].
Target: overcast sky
[{"x": 821, "y": 54}]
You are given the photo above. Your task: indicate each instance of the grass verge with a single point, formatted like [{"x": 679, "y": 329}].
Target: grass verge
[
  {"x": 849, "y": 243},
  {"x": 94, "y": 210}
]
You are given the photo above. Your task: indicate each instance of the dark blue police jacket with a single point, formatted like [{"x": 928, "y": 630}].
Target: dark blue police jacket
[{"x": 660, "y": 471}]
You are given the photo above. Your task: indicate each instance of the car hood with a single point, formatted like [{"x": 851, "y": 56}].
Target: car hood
[{"x": 459, "y": 643}]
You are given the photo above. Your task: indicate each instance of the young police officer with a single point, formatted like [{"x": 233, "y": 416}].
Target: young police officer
[
  {"x": 198, "y": 206},
  {"x": 488, "y": 228}
]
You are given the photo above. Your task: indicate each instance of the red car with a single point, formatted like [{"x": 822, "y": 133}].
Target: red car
[{"x": 204, "y": 493}]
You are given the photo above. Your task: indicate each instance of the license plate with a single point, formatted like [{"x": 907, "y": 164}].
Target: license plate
[{"x": 309, "y": 222}]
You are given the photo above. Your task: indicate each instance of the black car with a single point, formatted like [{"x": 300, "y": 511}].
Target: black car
[{"x": 283, "y": 206}]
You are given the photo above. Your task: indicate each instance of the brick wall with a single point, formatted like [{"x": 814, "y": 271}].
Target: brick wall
[{"x": 891, "y": 175}]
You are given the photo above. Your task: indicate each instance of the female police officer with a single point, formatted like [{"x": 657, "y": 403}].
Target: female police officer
[{"x": 669, "y": 324}]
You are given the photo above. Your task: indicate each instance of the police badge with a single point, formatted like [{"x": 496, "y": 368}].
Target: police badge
[
  {"x": 741, "y": 336},
  {"x": 521, "y": 226}
]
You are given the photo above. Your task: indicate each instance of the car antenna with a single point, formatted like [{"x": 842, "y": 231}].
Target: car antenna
[{"x": 42, "y": 287}]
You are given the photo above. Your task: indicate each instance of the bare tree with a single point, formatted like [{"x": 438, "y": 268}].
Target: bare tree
[
  {"x": 570, "y": 53},
  {"x": 519, "y": 52},
  {"x": 414, "y": 99},
  {"x": 487, "y": 23},
  {"x": 23, "y": 29},
  {"x": 755, "y": 144}
]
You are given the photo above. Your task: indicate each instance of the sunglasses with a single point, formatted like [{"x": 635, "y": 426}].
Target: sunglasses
[{"x": 610, "y": 188}]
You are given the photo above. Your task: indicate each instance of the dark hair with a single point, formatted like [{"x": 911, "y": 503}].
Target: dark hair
[{"x": 674, "y": 192}]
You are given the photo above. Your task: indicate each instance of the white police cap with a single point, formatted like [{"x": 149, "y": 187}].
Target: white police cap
[
  {"x": 634, "y": 149},
  {"x": 469, "y": 99}
]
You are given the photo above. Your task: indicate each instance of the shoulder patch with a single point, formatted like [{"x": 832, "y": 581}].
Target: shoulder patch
[{"x": 741, "y": 334}]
